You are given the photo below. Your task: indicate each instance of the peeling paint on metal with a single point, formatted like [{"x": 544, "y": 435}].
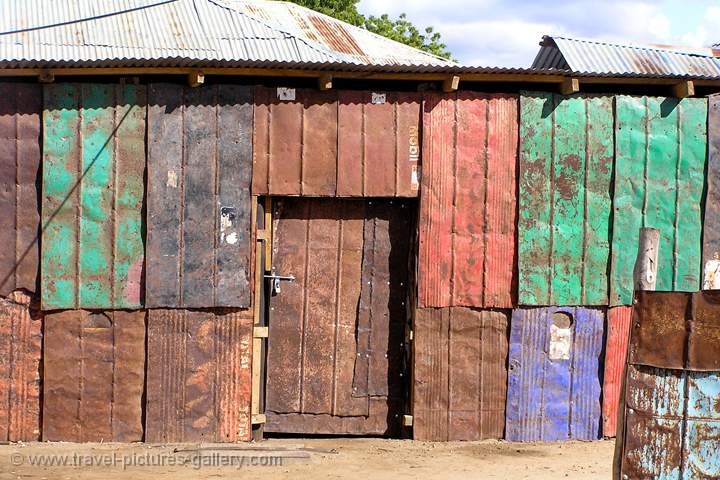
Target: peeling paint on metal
[
  {"x": 566, "y": 156},
  {"x": 468, "y": 208},
  {"x": 198, "y": 205},
  {"x": 659, "y": 182},
  {"x": 20, "y": 107},
  {"x": 93, "y": 187},
  {"x": 619, "y": 320},
  {"x": 711, "y": 218},
  {"x": 93, "y": 376},
  {"x": 199, "y": 377},
  {"x": 554, "y": 399},
  {"x": 460, "y": 377}
]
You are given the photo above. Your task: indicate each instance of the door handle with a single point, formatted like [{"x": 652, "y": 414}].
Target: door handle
[{"x": 276, "y": 279}]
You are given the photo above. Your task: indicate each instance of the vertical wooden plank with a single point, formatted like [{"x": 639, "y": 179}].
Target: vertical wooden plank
[
  {"x": 380, "y": 154},
  {"x": 351, "y": 151},
  {"x": 286, "y": 140},
  {"x": 320, "y": 144}
]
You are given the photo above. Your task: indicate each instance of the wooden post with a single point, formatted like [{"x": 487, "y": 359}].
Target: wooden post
[
  {"x": 570, "y": 86},
  {"x": 196, "y": 78},
  {"x": 451, "y": 84},
  {"x": 645, "y": 272},
  {"x": 325, "y": 81},
  {"x": 684, "y": 89}
]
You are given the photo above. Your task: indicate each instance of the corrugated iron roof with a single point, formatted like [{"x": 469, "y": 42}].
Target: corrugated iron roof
[
  {"x": 188, "y": 32},
  {"x": 599, "y": 58}
]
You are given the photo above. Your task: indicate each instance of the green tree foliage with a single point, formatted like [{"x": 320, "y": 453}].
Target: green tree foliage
[{"x": 400, "y": 29}]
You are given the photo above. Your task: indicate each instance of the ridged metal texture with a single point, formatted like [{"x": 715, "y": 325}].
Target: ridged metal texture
[
  {"x": 198, "y": 200},
  {"x": 93, "y": 376},
  {"x": 182, "y": 31},
  {"x": 587, "y": 56},
  {"x": 20, "y": 107},
  {"x": 198, "y": 376},
  {"x": 660, "y": 154},
  {"x": 337, "y": 143},
  {"x": 20, "y": 351},
  {"x": 93, "y": 187},
  {"x": 554, "y": 371},
  {"x": 619, "y": 320},
  {"x": 335, "y": 346},
  {"x": 711, "y": 219},
  {"x": 566, "y": 156},
  {"x": 468, "y": 207},
  {"x": 460, "y": 377}
]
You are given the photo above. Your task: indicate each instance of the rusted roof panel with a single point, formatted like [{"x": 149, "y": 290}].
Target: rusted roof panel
[
  {"x": 20, "y": 351},
  {"x": 468, "y": 208},
  {"x": 198, "y": 201},
  {"x": 460, "y": 375},
  {"x": 93, "y": 376},
  {"x": 566, "y": 156},
  {"x": 20, "y": 107},
  {"x": 619, "y": 320},
  {"x": 337, "y": 143},
  {"x": 660, "y": 155},
  {"x": 711, "y": 218},
  {"x": 199, "y": 377},
  {"x": 93, "y": 188},
  {"x": 604, "y": 58},
  {"x": 555, "y": 363}
]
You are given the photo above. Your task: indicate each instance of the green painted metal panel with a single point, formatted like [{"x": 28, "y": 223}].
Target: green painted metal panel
[
  {"x": 566, "y": 151},
  {"x": 93, "y": 188},
  {"x": 659, "y": 182}
]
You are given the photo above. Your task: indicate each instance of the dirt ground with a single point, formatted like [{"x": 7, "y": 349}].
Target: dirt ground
[{"x": 305, "y": 459}]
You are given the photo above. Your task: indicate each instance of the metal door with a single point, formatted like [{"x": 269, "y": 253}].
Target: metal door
[{"x": 337, "y": 316}]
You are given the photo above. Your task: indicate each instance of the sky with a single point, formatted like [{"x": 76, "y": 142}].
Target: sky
[{"x": 507, "y": 33}]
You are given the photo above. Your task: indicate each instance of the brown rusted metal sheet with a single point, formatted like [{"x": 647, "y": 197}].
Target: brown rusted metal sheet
[
  {"x": 335, "y": 347},
  {"x": 20, "y": 349},
  {"x": 199, "y": 378},
  {"x": 336, "y": 143},
  {"x": 20, "y": 107},
  {"x": 619, "y": 320},
  {"x": 93, "y": 376},
  {"x": 468, "y": 211},
  {"x": 711, "y": 219},
  {"x": 198, "y": 203},
  {"x": 460, "y": 375}
]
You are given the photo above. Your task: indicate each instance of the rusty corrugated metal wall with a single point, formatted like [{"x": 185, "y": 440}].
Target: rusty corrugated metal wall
[
  {"x": 554, "y": 371},
  {"x": 459, "y": 374},
  {"x": 20, "y": 351},
  {"x": 93, "y": 376},
  {"x": 20, "y": 107},
  {"x": 93, "y": 187},
  {"x": 336, "y": 342},
  {"x": 468, "y": 206},
  {"x": 336, "y": 143},
  {"x": 566, "y": 157},
  {"x": 198, "y": 375},
  {"x": 616, "y": 347},
  {"x": 198, "y": 205},
  {"x": 659, "y": 181},
  {"x": 711, "y": 219}
]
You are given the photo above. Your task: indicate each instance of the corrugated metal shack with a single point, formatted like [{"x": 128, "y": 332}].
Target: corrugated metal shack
[{"x": 234, "y": 217}]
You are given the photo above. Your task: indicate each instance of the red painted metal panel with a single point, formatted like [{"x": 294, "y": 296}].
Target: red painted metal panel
[
  {"x": 460, "y": 375},
  {"x": 20, "y": 107},
  {"x": 468, "y": 207},
  {"x": 199, "y": 377},
  {"x": 94, "y": 372},
  {"x": 20, "y": 347},
  {"x": 618, "y": 334}
]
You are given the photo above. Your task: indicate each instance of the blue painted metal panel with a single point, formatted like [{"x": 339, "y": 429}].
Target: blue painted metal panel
[
  {"x": 701, "y": 453},
  {"x": 554, "y": 374}
]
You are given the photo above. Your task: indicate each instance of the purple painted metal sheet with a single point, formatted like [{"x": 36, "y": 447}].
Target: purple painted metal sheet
[
  {"x": 555, "y": 366},
  {"x": 198, "y": 204},
  {"x": 20, "y": 107}
]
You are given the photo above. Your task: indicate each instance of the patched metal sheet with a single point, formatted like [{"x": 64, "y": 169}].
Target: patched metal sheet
[
  {"x": 554, "y": 371},
  {"x": 566, "y": 157},
  {"x": 711, "y": 220},
  {"x": 659, "y": 180},
  {"x": 20, "y": 350},
  {"x": 198, "y": 204},
  {"x": 459, "y": 378},
  {"x": 20, "y": 107},
  {"x": 93, "y": 376},
  {"x": 93, "y": 187},
  {"x": 336, "y": 143},
  {"x": 468, "y": 208},
  {"x": 335, "y": 346},
  {"x": 619, "y": 320},
  {"x": 199, "y": 377}
]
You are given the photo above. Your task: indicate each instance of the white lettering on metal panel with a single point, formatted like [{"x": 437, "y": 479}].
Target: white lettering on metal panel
[
  {"x": 378, "y": 97},
  {"x": 286, "y": 93},
  {"x": 560, "y": 343}
]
